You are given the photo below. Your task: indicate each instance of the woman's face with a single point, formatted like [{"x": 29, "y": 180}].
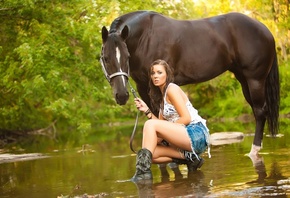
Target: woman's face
[{"x": 158, "y": 75}]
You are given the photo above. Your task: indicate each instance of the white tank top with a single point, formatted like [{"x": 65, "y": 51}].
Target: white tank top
[{"x": 169, "y": 112}]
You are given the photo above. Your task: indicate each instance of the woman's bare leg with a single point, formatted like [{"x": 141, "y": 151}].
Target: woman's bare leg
[
  {"x": 164, "y": 154},
  {"x": 174, "y": 133}
]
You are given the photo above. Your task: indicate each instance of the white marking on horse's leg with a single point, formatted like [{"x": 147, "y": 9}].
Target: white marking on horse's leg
[
  {"x": 255, "y": 149},
  {"x": 255, "y": 157},
  {"x": 118, "y": 54},
  {"x": 254, "y": 153}
]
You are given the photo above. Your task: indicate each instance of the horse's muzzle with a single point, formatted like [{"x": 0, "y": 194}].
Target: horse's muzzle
[{"x": 122, "y": 99}]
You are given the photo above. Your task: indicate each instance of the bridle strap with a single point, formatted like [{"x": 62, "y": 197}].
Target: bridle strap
[
  {"x": 109, "y": 77},
  {"x": 118, "y": 74}
]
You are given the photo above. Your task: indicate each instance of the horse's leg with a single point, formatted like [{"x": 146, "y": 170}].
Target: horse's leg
[
  {"x": 257, "y": 93},
  {"x": 256, "y": 102},
  {"x": 254, "y": 93}
]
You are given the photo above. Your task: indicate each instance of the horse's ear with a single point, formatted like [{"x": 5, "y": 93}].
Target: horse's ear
[
  {"x": 105, "y": 34},
  {"x": 125, "y": 32}
]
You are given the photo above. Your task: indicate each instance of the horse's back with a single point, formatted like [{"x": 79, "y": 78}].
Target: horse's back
[
  {"x": 216, "y": 43},
  {"x": 243, "y": 25},
  {"x": 252, "y": 40},
  {"x": 237, "y": 21}
]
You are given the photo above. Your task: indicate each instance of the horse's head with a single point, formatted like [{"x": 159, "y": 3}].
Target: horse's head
[{"x": 115, "y": 62}]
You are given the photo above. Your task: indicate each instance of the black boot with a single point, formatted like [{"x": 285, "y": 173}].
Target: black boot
[
  {"x": 191, "y": 165},
  {"x": 143, "y": 164},
  {"x": 164, "y": 172}
]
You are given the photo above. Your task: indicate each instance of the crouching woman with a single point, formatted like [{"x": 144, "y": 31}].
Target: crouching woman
[{"x": 178, "y": 134}]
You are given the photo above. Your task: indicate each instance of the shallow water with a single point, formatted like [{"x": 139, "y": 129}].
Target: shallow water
[{"x": 104, "y": 167}]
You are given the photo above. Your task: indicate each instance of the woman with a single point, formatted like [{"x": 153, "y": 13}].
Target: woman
[{"x": 178, "y": 134}]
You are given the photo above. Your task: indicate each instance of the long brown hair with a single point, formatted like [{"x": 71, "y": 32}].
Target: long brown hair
[{"x": 155, "y": 94}]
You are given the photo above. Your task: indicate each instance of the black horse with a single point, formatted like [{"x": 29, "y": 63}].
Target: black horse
[{"x": 198, "y": 50}]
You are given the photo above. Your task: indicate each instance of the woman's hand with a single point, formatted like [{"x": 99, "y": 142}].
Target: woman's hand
[{"x": 141, "y": 105}]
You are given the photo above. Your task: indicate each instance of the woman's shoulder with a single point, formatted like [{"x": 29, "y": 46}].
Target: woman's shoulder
[
  {"x": 173, "y": 89},
  {"x": 175, "y": 95},
  {"x": 173, "y": 86}
]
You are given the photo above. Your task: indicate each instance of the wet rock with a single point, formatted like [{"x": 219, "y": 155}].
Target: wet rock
[
  {"x": 221, "y": 138},
  {"x": 283, "y": 181},
  {"x": 5, "y": 158}
]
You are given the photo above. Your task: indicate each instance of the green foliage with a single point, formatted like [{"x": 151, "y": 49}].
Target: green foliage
[
  {"x": 285, "y": 87},
  {"x": 50, "y": 72},
  {"x": 219, "y": 97},
  {"x": 49, "y": 68}
]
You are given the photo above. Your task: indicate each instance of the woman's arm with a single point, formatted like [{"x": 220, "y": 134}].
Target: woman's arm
[
  {"x": 178, "y": 99},
  {"x": 142, "y": 106}
]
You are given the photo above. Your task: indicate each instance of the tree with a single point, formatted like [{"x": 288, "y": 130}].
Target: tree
[
  {"x": 50, "y": 50},
  {"x": 48, "y": 63}
]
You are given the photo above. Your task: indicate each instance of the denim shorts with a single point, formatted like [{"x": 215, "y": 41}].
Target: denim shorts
[{"x": 199, "y": 137}]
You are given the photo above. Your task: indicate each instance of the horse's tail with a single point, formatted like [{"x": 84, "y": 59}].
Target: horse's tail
[{"x": 273, "y": 97}]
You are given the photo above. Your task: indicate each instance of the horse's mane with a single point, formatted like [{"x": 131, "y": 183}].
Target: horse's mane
[{"x": 118, "y": 23}]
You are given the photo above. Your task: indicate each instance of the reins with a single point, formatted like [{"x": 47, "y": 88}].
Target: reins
[{"x": 136, "y": 120}]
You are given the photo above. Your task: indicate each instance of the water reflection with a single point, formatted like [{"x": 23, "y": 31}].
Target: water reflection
[
  {"x": 192, "y": 184},
  {"x": 271, "y": 186},
  {"x": 198, "y": 185},
  {"x": 195, "y": 183},
  {"x": 260, "y": 168},
  {"x": 263, "y": 185},
  {"x": 103, "y": 167}
]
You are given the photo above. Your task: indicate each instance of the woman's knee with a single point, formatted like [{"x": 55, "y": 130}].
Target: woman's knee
[{"x": 150, "y": 124}]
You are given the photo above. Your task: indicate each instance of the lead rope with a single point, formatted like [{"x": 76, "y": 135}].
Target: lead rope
[{"x": 136, "y": 120}]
